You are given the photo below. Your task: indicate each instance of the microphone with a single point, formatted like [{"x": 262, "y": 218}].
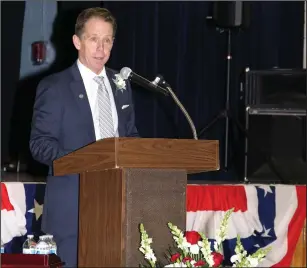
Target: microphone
[
  {"x": 159, "y": 80},
  {"x": 126, "y": 73},
  {"x": 159, "y": 84}
]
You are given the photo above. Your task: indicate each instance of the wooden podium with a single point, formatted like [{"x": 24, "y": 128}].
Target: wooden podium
[{"x": 128, "y": 181}]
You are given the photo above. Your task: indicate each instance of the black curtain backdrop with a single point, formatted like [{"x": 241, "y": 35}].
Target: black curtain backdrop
[
  {"x": 175, "y": 40},
  {"x": 12, "y": 15}
]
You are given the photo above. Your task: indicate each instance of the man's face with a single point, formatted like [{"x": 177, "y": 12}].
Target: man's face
[{"x": 95, "y": 44}]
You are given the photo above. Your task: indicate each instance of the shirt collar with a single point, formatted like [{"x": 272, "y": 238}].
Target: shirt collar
[{"x": 88, "y": 74}]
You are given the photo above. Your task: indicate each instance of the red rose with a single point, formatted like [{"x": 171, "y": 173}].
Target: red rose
[
  {"x": 199, "y": 263},
  {"x": 217, "y": 258},
  {"x": 175, "y": 257},
  {"x": 192, "y": 237},
  {"x": 185, "y": 259}
]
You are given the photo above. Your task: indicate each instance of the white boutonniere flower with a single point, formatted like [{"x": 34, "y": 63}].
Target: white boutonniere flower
[{"x": 119, "y": 82}]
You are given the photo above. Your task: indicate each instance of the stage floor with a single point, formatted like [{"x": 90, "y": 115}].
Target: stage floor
[
  {"x": 29, "y": 178},
  {"x": 21, "y": 177}
]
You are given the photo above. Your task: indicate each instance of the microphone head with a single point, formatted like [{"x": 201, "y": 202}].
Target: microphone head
[{"x": 125, "y": 73}]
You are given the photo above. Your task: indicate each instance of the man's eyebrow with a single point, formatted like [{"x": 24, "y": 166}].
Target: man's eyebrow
[{"x": 97, "y": 35}]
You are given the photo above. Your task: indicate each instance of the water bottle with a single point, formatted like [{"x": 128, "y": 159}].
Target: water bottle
[
  {"x": 2, "y": 248},
  {"x": 48, "y": 241},
  {"x": 53, "y": 246},
  {"x": 29, "y": 245},
  {"x": 42, "y": 246}
]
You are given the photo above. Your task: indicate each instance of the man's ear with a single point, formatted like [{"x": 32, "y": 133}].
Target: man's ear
[{"x": 77, "y": 42}]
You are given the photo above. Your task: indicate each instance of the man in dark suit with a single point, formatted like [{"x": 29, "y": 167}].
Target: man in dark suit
[{"x": 74, "y": 108}]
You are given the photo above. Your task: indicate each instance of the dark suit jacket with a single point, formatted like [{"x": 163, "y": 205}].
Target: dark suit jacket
[{"x": 62, "y": 123}]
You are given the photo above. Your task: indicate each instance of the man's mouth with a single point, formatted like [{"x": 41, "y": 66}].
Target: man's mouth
[{"x": 98, "y": 58}]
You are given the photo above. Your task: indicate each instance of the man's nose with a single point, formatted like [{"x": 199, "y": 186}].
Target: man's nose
[{"x": 100, "y": 45}]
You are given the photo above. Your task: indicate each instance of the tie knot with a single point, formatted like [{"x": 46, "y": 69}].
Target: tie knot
[{"x": 99, "y": 80}]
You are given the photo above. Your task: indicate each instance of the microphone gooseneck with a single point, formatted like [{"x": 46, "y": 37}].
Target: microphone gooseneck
[
  {"x": 126, "y": 73},
  {"x": 184, "y": 111}
]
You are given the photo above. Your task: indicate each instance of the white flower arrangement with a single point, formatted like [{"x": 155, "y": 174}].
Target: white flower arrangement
[
  {"x": 194, "y": 249},
  {"x": 119, "y": 82},
  {"x": 241, "y": 260}
]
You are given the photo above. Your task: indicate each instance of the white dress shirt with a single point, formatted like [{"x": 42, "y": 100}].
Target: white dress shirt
[{"x": 91, "y": 88}]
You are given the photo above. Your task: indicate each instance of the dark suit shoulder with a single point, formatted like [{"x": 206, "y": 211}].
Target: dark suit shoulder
[
  {"x": 111, "y": 71},
  {"x": 57, "y": 78}
]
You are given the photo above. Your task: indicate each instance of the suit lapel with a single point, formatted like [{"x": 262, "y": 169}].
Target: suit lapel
[
  {"x": 81, "y": 99},
  {"x": 113, "y": 86}
]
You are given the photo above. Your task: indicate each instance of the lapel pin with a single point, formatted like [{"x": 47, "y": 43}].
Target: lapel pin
[{"x": 81, "y": 96}]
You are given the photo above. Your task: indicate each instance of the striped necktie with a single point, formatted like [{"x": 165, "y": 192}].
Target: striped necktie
[{"x": 104, "y": 107}]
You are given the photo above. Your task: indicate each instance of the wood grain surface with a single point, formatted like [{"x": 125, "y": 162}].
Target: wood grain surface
[{"x": 186, "y": 154}]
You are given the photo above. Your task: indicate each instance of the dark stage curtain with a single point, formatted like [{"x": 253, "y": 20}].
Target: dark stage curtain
[
  {"x": 175, "y": 40},
  {"x": 12, "y": 15}
]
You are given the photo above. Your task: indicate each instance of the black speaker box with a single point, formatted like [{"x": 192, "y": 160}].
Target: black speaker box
[
  {"x": 231, "y": 14},
  {"x": 276, "y": 88},
  {"x": 275, "y": 147}
]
